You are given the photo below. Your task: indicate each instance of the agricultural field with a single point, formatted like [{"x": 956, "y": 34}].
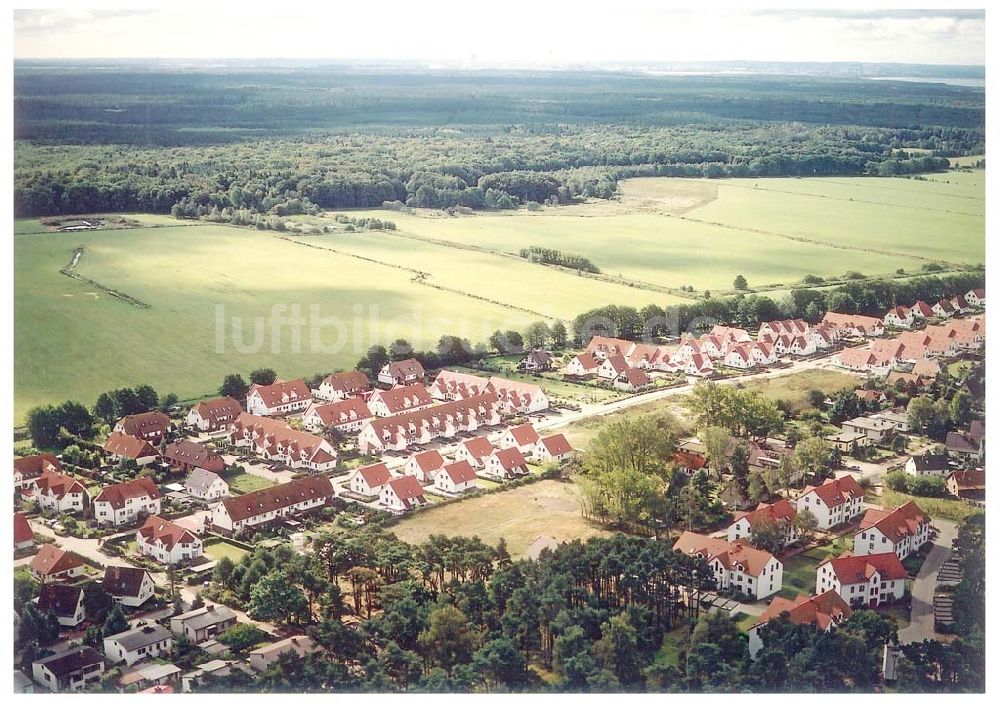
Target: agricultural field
[
  {"x": 217, "y": 297},
  {"x": 519, "y": 515}
]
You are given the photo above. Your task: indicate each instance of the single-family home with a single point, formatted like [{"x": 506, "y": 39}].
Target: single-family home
[
  {"x": 24, "y": 538},
  {"x": 848, "y": 441},
  {"x": 122, "y": 447},
  {"x": 123, "y": 503},
  {"x": 185, "y": 455},
  {"x": 902, "y": 531},
  {"x": 632, "y": 380},
  {"x": 213, "y": 415},
  {"x": 368, "y": 480},
  {"x": 898, "y": 418},
  {"x": 782, "y": 513},
  {"x": 203, "y": 623},
  {"x": 53, "y": 564},
  {"x": 280, "y": 397},
  {"x": 969, "y": 485},
  {"x": 401, "y": 494},
  {"x": 921, "y": 310},
  {"x": 928, "y": 464},
  {"x": 735, "y": 565},
  {"x": 65, "y": 602},
  {"x": 402, "y": 372},
  {"x": 611, "y": 367},
  {"x": 424, "y": 465},
  {"x": 689, "y": 462},
  {"x": 959, "y": 304},
  {"x": 535, "y": 361},
  {"x": 128, "y": 585},
  {"x": 263, "y": 657},
  {"x": 523, "y": 436},
  {"x": 601, "y": 347},
  {"x": 206, "y": 485},
  {"x": 342, "y": 386},
  {"x": 166, "y": 542},
  {"x": 969, "y": 444},
  {"x": 346, "y": 416},
  {"x": 698, "y": 365},
  {"x": 143, "y": 642},
  {"x": 581, "y": 366},
  {"x": 58, "y": 492},
  {"x": 506, "y": 464},
  {"x": 834, "y": 502},
  {"x": 740, "y": 356},
  {"x": 212, "y": 668},
  {"x": 823, "y": 336},
  {"x": 976, "y": 298},
  {"x": 148, "y": 426},
  {"x": 398, "y": 400},
  {"x": 823, "y": 612},
  {"x": 235, "y": 515},
  {"x": 475, "y": 451},
  {"x": 274, "y": 440},
  {"x": 899, "y": 317},
  {"x": 866, "y": 581},
  {"x": 457, "y": 477},
  {"x": 28, "y": 469},
  {"x": 71, "y": 670},
  {"x": 943, "y": 309},
  {"x": 875, "y": 428},
  {"x": 445, "y": 420}
]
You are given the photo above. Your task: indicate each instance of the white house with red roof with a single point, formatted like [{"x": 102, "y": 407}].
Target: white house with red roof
[
  {"x": 54, "y": 564},
  {"x": 342, "y": 386},
  {"x": 689, "y": 346},
  {"x": 368, "y": 480},
  {"x": 921, "y": 310},
  {"x": 516, "y": 397},
  {"x": 24, "y": 538},
  {"x": 867, "y": 581},
  {"x": 552, "y": 448},
  {"x": 782, "y": 512},
  {"x": 901, "y": 531},
  {"x": 943, "y": 309},
  {"x": 123, "y": 503},
  {"x": 697, "y": 365},
  {"x": 296, "y": 497},
  {"x": 582, "y": 366},
  {"x": 167, "y": 542},
  {"x": 855, "y": 324},
  {"x": 457, "y": 477},
  {"x": 763, "y": 353},
  {"x": 120, "y": 446},
  {"x": 475, "y": 451},
  {"x": 453, "y": 385},
  {"x": 58, "y": 492},
  {"x": 148, "y": 426},
  {"x": 899, "y": 317},
  {"x": 422, "y": 426},
  {"x": 740, "y": 356},
  {"x": 824, "y": 612},
  {"x": 731, "y": 333},
  {"x": 399, "y": 400},
  {"x": 785, "y": 327},
  {"x": 346, "y": 416},
  {"x": 959, "y": 304},
  {"x": 632, "y": 380},
  {"x": 506, "y": 464},
  {"x": 402, "y": 494},
  {"x": 28, "y": 469},
  {"x": 824, "y": 337},
  {"x": 737, "y": 565},
  {"x": 603, "y": 346},
  {"x": 279, "y": 398},
  {"x": 213, "y": 415},
  {"x": 274, "y": 440},
  {"x": 612, "y": 366},
  {"x": 976, "y": 298},
  {"x": 523, "y": 436},
  {"x": 402, "y": 372},
  {"x": 834, "y": 502},
  {"x": 424, "y": 465}
]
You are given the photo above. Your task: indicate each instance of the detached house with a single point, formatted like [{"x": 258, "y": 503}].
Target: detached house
[
  {"x": 967, "y": 484},
  {"x": 632, "y": 380},
  {"x": 899, "y": 317},
  {"x": 52, "y": 564},
  {"x": 506, "y": 464},
  {"x": 122, "y": 447},
  {"x": 834, "y": 502},
  {"x": 582, "y": 366},
  {"x": 66, "y": 602},
  {"x": 823, "y": 612},
  {"x": 928, "y": 464},
  {"x": 263, "y": 657},
  {"x": 281, "y": 397},
  {"x": 398, "y": 400},
  {"x": 128, "y": 585},
  {"x": 535, "y": 361},
  {"x": 403, "y": 372},
  {"x": 368, "y": 480},
  {"x": 943, "y": 309},
  {"x": 401, "y": 494},
  {"x": 148, "y": 426},
  {"x": 186, "y": 455},
  {"x": 72, "y": 670},
  {"x": 342, "y": 386},
  {"x": 60, "y": 493},
  {"x": 30, "y": 468},
  {"x": 740, "y": 356},
  {"x": 206, "y": 485},
  {"x": 552, "y": 448},
  {"x": 968, "y": 445},
  {"x": 921, "y": 310},
  {"x": 424, "y": 465},
  {"x": 612, "y": 367},
  {"x": 346, "y": 416},
  {"x": 524, "y": 437},
  {"x": 475, "y": 451},
  {"x": 123, "y": 503},
  {"x": 976, "y": 298},
  {"x": 698, "y": 365},
  {"x": 213, "y": 415},
  {"x": 876, "y": 429},
  {"x": 145, "y": 642},
  {"x": 166, "y": 542},
  {"x": 901, "y": 531},
  {"x": 203, "y": 624},
  {"x": 755, "y": 572},
  {"x": 781, "y": 512},
  {"x": 235, "y": 515},
  {"x": 24, "y": 538},
  {"x": 455, "y": 478},
  {"x": 866, "y": 581}
]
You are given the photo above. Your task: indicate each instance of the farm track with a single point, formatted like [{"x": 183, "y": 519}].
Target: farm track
[
  {"x": 70, "y": 271},
  {"x": 420, "y": 277}
]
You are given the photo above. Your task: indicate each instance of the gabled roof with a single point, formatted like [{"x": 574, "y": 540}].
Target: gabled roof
[
  {"x": 701, "y": 362},
  {"x": 165, "y": 532},
  {"x": 22, "y": 530},
  {"x": 901, "y": 312},
  {"x": 556, "y": 445},
  {"x": 851, "y": 569},
  {"x": 636, "y": 377},
  {"x": 923, "y": 307},
  {"x": 866, "y": 323},
  {"x": 61, "y": 599},
  {"x": 403, "y": 398},
  {"x": 351, "y": 382},
  {"x": 478, "y": 447},
  {"x": 205, "y": 616},
  {"x": 375, "y": 475},
  {"x": 143, "y": 636},
  {"x": 272, "y": 433},
  {"x": 34, "y": 466},
  {"x": 930, "y": 462},
  {"x": 587, "y": 361},
  {"x": 407, "y": 489},
  {"x": 281, "y": 392},
  {"x": 538, "y": 357},
  {"x": 733, "y": 555},
  {"x": 278, "y": 497},
  {"x": 896, "y": 524},
  {"x": 187, "y": 452},
  {"x": 969, "y": 480},
  {"x": 524, "y": 434},
  {"x": 352, "y": 409},
  {"x": 50, "y": 560},
  {"x": 144, "y": 423},
  {"x": 780, "y": 511},
  {"x": 510, "y": 459},
  {"x": 124, "y": 581},
  {"x": 121, "y": 444},
  {"x": 58, "y": 484},
  {"x": 63, "y": 664},
  {"x": 435, "y": 418},
  {"x": 404, "y": 368},
  {"x": 429, "y": 460},
  {"x": 301, "y": 644},
  {"x": 117, "y": 494},
  {"x": 608, "y": 346},
  {"x": 460, "y": 472},
  {"x": 822, "y": 611},
  {"x": 836, "y": 491},
  {"x": 690, "y": 459},
  {"x": 201, "y": 480},
  {"x": 219, "y": 410},
  {"x": 617, "y": 363}
]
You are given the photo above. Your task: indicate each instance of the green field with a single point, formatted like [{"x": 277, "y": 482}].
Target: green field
[
  {"x": 439, "y": 274},
  {"x": 218, "y": 548}
]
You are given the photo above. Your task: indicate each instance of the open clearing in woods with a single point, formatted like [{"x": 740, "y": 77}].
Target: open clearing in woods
[{"x": 443, "y": 275}]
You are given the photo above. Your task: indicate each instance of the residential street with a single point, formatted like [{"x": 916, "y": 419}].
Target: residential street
[{"x": 921, "y": 625}]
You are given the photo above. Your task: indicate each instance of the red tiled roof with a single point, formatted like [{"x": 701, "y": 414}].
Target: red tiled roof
[
  {"x": 351, "y": 382},
  {"x": 407, "y": 489},
  {"x": 608, "y": 346},
  {"x": 121, "y": 444},
  {"x": 510, "y": 458},
  {"x": 186, "y": 452},
  {"x": 58, "y": 484},
  {"x": 524, "y": 434},
  {"x": 49, "y": 560},
  {"x": 460, "y": 472},
  {"x": 405, "y": 368},
  {"x": 22, "y": 530},
  {"x": 587, "y": 361},
  {"x": 375, "y": 475},
  {"x": 271, "y": 433},
  {"x": 617, "y": 363},
  {"x": 782, "y": 511},
  {"x": 821, "y": 611},
  {"x": 836, "y": 491},
  {"x": 636, "y": 377},
  {"x": 435, "y": 417},
  {"x": 969, "y": 480},
  {"x": 896, "y": 524},
  {"x": 460, "y": 385},
  {"x": 219, "y": 411},
  {"x": 352, "y": 409},
  {"x": 731, "y": 554},
  {"x": 144, "y": 423},
  {"x": 156, "y": 528},
  {"x": 858, "y": 569},
  {"x": 123, "y": 580},
  {"x": 429, "y": 460},
  {"x": 34, "y": 466},
  {"x": 690, "y": 459},
  {"x": 403, "y": 398},
  {"x": 478, "y": 447},
  {"x": 852, "y": 320},
  {"x": 278, "y": 497},
  {"x": 923, "y": 307},
  {"x": 117, "y": 494},
  {"x": 557, "y": 445},
  {"x": 281, "y": 392}
]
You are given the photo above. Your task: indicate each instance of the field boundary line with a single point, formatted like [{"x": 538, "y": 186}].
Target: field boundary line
[{"x": 70, "y": 271}]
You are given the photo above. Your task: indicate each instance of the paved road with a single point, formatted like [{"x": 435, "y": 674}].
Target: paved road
[{"x": 921, "y": 625}]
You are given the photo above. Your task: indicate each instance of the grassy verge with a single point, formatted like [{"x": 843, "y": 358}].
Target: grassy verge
[{"x": 937, "y": 508}]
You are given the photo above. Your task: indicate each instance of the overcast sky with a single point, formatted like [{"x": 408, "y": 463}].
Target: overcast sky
[{"x": 506, "y": 32}]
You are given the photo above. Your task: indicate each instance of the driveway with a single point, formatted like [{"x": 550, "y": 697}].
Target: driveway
[
  {"x": 86, "y": 548},
  {"x": 921, "y": 625}
]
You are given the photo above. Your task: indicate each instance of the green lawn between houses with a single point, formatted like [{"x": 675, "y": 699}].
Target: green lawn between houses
[
  {"x": 216, "y": 548},
  {"x": 950, "y": 509},
  {"x": 246, "y": 483},
  {"x": 799, "y": 571}
]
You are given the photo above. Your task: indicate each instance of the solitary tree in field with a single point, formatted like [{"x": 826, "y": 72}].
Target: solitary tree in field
[{"x": 740, "y": 283}]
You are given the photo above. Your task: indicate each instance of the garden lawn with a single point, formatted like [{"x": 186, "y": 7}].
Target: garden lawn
[
  {"x": 246, "y": 483},
  {"x": 799, "y": 571},
  {"x": 218, "y": 548},
  {"x": 795, "y": 388}
]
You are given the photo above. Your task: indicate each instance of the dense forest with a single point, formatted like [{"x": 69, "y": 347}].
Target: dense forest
[{"x": 131, "y": 138}]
